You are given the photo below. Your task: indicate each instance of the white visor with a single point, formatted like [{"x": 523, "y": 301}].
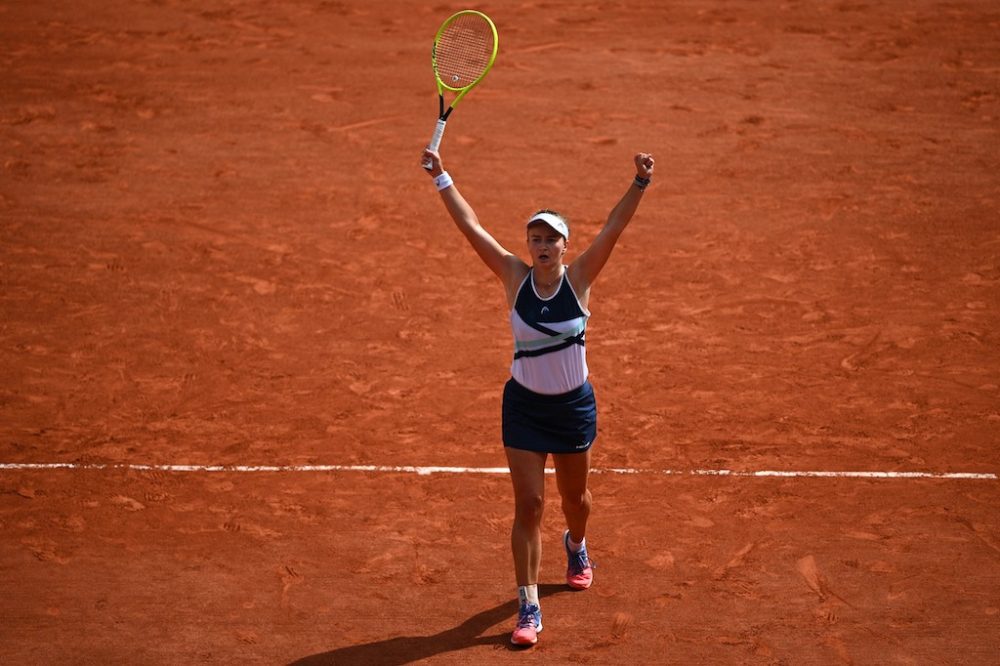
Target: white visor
[{"x": 553, "y": 221}]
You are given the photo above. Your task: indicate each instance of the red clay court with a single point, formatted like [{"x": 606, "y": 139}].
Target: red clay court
[{"x": 218, "y": 250}]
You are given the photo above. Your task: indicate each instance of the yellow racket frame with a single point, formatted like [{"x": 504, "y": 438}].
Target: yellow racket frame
[
  {"x": 462, "y": 91},
  {"x": 442, "y": 86}
]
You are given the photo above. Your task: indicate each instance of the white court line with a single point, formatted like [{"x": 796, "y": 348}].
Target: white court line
[{"x": 427, "y": 470}]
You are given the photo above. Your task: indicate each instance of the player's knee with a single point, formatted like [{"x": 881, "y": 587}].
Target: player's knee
[
  {"x": 528, "y": 508},
  {"x": 577, "y": 501}
]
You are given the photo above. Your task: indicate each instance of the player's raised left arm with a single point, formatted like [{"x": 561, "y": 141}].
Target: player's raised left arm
[{"x": 588, "y": 266}]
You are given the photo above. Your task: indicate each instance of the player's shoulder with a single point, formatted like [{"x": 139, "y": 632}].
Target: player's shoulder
[
  {"x": 517, "y": 272},
  {"x": 574, "y": 273},
  {"x": 516, "y": 266},
  {"x": 579, "y": 283}
]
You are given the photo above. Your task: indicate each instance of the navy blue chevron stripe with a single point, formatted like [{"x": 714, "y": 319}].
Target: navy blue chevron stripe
[
  {"x": 565, "y": 344},
  {"x": 539, "y": 327}
]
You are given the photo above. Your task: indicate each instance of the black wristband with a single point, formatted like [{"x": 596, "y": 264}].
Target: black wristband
[{"x": 641, "y": 182}]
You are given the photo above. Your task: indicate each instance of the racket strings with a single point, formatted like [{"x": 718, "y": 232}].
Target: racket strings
[{"x": 463, "y": 51}]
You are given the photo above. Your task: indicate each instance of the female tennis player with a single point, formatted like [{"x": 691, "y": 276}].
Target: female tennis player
[{"x": 548, "y": 404}]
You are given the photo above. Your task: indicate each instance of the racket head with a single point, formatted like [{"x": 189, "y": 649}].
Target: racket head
[{"x": 465, "y": 48}]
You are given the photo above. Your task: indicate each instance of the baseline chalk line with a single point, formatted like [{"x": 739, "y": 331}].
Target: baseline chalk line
[{"x": 428, "y": 470}]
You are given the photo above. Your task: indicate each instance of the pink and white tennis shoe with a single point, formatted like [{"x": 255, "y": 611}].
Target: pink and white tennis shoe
[{"x": 579, "y": 568}]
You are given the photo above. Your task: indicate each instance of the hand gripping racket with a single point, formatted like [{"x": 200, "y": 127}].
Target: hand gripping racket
[{"x": 464, "y": 50}]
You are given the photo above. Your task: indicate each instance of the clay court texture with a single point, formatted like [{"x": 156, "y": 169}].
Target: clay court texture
[{"x": 239, "y": 335}]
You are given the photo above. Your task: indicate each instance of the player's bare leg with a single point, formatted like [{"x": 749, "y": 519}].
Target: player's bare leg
[
  {"x": 572, "y": 474},
  {"x": 527, "y": 471}
]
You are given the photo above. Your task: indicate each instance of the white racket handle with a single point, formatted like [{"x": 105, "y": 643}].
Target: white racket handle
[
  {"x": 435, "y": 141},
  {"x": 438, "y": 133}
]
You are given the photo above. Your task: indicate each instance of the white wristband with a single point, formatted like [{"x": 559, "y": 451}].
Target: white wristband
[{"x": 443, "y": 181}]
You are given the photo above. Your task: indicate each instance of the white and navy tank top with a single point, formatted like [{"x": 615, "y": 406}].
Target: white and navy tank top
[{"x": 549, "y": 338}]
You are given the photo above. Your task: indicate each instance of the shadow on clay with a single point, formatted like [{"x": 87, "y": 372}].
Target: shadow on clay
[{"x": 408, "y": 649}]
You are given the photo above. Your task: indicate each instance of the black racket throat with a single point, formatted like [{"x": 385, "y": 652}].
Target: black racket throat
[{"x": 442, "y": 113}]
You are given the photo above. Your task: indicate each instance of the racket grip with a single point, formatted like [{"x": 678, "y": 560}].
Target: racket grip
[
  {"x": 435, "y": 140},
  {"x": 438, "y": 133}
]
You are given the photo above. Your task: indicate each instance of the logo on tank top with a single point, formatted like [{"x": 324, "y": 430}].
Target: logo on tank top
[{"x": 545, "y": 309}]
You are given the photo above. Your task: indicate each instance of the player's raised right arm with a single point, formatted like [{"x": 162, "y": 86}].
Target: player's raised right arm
[{"x": 503, "y": 263}]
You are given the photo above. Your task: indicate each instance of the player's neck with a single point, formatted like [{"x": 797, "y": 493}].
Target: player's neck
[{"x": 548, "y": 277}]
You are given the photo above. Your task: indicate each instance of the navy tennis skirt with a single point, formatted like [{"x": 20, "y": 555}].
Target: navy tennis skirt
[{"x": 562, "y": 423}]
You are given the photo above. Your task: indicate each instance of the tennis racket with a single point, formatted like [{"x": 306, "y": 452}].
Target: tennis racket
[{"x": 465, "y": 47}]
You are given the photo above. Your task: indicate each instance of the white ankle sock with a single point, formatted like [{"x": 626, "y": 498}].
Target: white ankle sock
[
  {"x": 575, "y": 547},
  {"x": 528, "y": 594}
]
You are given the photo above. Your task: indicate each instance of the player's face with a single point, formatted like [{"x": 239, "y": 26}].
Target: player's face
[{"x": 546, "y": 245}]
